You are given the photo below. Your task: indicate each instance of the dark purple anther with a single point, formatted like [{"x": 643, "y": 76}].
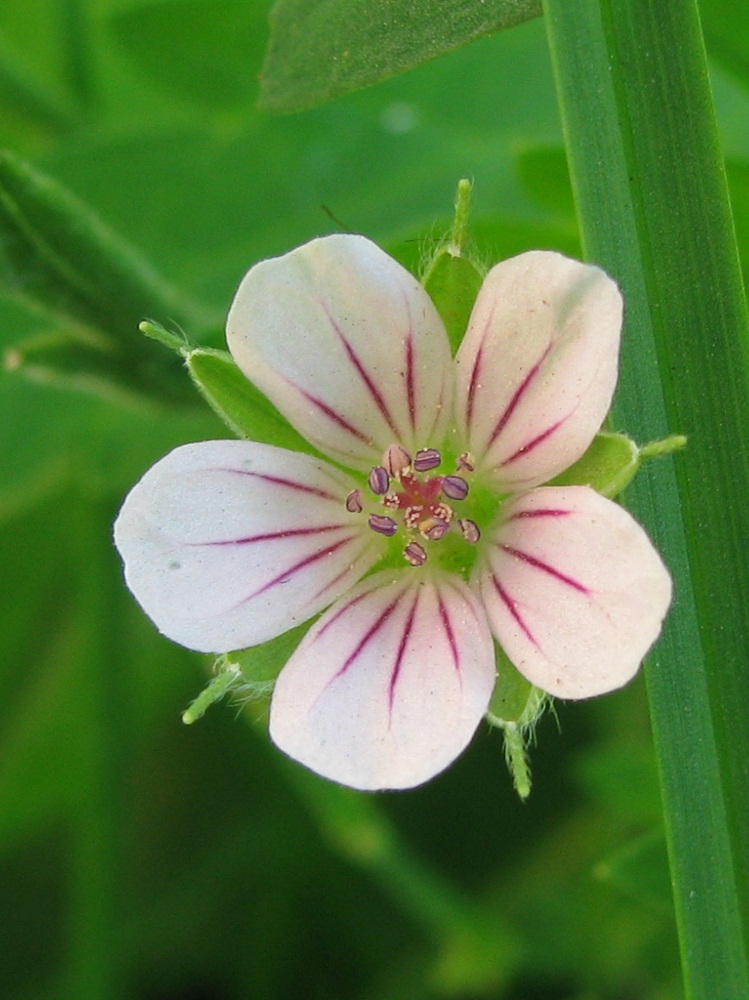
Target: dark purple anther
[
  {"x": 435, "y": 530},
  {"x": 353, "y": 502},
  {"x": 379, "y": 480},
  {"x": 470, "y": 530},
  {"x": 415, "y": 554},
  {"x": 382, "y": 524},
  {"x": 426, "y": 459},
  {"x": 466, "y": 462},
  {"x": 455, "y": 487}
]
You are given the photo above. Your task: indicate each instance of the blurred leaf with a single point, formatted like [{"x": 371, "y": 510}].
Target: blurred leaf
[
  {"x": 543, "y": 172},
  {"x": 56, "y": 253},
  {"x": 78, "y": 50},
  {"x": 21, "y": 90},
  {"x": 640, "y": 869},
  {"x": 199, "y": 49},
  {"x": 322, "y": 48},
  {"x": 738, "y": 183},
  {"x": 74, "y": 362},
  {"x": 726, "y": 28}
]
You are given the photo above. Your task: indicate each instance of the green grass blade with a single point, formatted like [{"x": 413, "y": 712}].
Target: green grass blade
[{"x": 653, "y": 208}]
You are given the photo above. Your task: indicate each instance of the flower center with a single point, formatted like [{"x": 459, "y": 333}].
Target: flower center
[{"x": 413, "y": 503}]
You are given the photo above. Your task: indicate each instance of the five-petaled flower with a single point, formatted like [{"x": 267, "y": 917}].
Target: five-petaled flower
[{"x": 436, "y": 540}]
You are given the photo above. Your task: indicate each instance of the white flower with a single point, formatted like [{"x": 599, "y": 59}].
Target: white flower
[{"x": 228, "y": 544}]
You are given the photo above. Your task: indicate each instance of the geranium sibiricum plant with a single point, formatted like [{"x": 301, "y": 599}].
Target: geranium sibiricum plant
[{"x": 426, "y": 532}]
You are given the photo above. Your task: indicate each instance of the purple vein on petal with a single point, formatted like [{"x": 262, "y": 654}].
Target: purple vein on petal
[
  {"x": 364, "y": 375},
  {"x": 512, "y": 607},
  {"x": 539, "y": 512},
  {"x": 291, "y": 484},
  {"x": 271, "y": 536},
  {"x": 367, "y": 637},
  {"x": 368, "y": 539},
  {"x": 539, "y": 564},
  {"x": 347, "y": 606},
  {"x": 473, "y": 384},
  {"x": 517, "y": 396},
  {"x": 524, "y": 449},
  {"x": 333, "y": 415},
  {"x": 447, "y": 626},
  {"x": 410, "y": 381},
  {"x": 290, "y": 570},
  {"x": 407, "y": 629}
]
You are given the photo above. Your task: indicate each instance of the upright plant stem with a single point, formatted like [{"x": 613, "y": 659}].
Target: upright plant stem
[{"x": 653, "y": 210}]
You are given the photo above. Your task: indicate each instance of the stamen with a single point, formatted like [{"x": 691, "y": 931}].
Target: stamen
[
  {"x": 396, "y": 459},
  {"x": 455, "y": 487},
  {"x": 433, "y": 529},
  {"x": 442, "y": 511},
  {"x": 470, "y": 529},
  {"x": 353, "y": 502},
  {"x": 382, "y": 524},
  {"x": 411, "y": 516},
  {"x": 415, "y": 554},
  {"x": 379, "y": 480},
  {"x": 426, "y": 459},
  {"x": 466, "y": 462}
]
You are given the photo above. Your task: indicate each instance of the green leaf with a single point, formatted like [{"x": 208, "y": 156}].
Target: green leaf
[
  {"x": 654, "y": 212},
  {"x": 56, "y": 254},
  {"x": 242, "y": 407},
  {"x": 322, "y": 48}
]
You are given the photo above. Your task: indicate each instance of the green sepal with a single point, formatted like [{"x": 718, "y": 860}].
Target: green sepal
[
  {"x": 453, "y": 285},
  {"x": 56, "y": 254},
  {"x": 247, "y": 673},
  {"x": 226, "y": 678},
  {"x": 515, "y": 708},
  {"x": 608, "y": 465},
  {"x": 242, "y": 407},
  {"x": 259, "y": 666},
  {"x": 451, "y": 278}
]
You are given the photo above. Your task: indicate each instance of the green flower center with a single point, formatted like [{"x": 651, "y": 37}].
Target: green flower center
[{"x": 428, "y": 515}]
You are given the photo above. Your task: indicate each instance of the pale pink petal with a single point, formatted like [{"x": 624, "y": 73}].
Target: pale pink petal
[
  {"x": 389, "y": 686},
  {"x": 574, "y": 590},
  {"x": 347, "y": 345},
  {"x": 537, "y": 367},
  {"x": 229, "y": 543}
]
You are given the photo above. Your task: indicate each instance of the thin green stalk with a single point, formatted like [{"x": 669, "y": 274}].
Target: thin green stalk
[
  {"x": 653, "y": 209},
  {"x": 97, "y": 960}
]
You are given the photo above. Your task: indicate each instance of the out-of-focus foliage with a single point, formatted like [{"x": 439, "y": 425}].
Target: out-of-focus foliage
[
  {"x": 143, "y": 859},
  {"x": 320, "y": 49}
]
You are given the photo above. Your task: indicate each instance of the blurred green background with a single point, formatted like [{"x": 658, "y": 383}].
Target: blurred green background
[{"x": 144, "y": 860}]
